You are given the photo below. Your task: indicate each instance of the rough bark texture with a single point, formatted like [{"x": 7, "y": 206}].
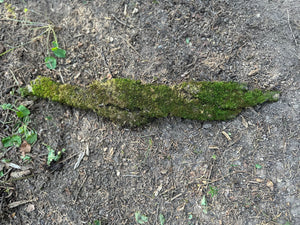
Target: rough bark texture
[{"x": 131, "y": 103}]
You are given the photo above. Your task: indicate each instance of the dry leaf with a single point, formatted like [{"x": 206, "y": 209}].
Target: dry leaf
[
  {"x": 25, "y": 148},
  {"x": 270, "y": 185}
]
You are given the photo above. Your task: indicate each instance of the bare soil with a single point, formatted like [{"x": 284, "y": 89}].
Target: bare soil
[{"x": 247, "y": 168}]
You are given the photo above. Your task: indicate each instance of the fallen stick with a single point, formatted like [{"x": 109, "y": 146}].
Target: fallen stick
[{"x": 131, "y": 103}]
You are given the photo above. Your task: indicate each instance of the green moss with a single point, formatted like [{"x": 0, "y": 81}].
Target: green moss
[{"x": 129, "y": 102}]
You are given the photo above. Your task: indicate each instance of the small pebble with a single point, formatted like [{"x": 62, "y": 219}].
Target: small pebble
[{"x": 207, "y": 125}]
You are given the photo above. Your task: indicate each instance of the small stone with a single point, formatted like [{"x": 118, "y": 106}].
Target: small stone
[
  {"x": 135, "y": 10},
  {"x": 30, "y": 208},
  {"x": 207, "y": 125}
]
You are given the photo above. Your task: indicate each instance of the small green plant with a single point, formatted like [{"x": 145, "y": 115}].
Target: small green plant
[
  {"x": 96, "y": 222},
  {"x": 141, "y": 219},
  {"x": 10, "y": 10},
  {"x": 214, "y": 156},
  {"x": 58, "y": 52},
  {"x": 213, "y": 191},
  {"x": 52, "y": 155},
  {"x": 257, "y": 166},
  {"x": 204, "y": 204},
  {"x": 26, "y": 158},
  {"x": 162, "y": 219},
  {"x": 47, "y": 29},
  {"x": 21, "y": 128}
]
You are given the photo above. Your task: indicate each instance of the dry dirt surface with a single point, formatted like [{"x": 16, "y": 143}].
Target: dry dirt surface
[{"x": 172, "y": 171}]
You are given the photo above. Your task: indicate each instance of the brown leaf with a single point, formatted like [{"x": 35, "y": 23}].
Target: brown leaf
[{"x": 25, "y": 148}]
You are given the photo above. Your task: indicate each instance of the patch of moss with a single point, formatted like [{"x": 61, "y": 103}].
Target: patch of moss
[{"x": 129, "y": 102}]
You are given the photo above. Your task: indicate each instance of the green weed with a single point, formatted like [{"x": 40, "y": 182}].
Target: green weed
[
  {"x": 141, "y": 219},
  {"x": 213, "y": 191},
  {"x": 162, "y": 219},
  {"x": 52, "y": 155},
  {"x": 204, "y": 204},
  {"x": 21, "y": 130},
  {"x": 46, "y": 29},
  {"x": 257, "y": 166}
]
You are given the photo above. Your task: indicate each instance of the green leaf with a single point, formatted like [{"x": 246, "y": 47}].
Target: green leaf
[
  {"x": 14, "y": 140},
  {"x": 31, "y": 137},
  {"x": 213, "y": 191},
  {"x": 97, "y": 222},
  {"x": 50, "y": 62},
  {"x": 22, "y": 129},
  {"x": 141, "y": 219},
  {"x": 55, "y": 44},
  {"x": 257, "y": 166},
  {"x": 61, "y": 53},
  {"x": 23, "y": 111},
  {"x": 203, "y": 201},
  {"x": 26, "y": 158},
  {"x": 52, "y": 156},
  {"x": 162, "y": 219},
  {"x": 5, "y": 160},
  {"x": 187, "y": 40},
  {"x": 6, "y": 106}
]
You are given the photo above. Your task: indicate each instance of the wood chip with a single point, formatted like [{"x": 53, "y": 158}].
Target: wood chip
[
  {"x": 259, "y": 180},
  {"x": 270, "y": 185},
  {"x": 213, "y": 147},
  {"x": 18, "y": 203},
  {"x": 110, "y": 154},
  {"x": 226, "y": 135},
  {"x": 19, "y": 174},
  {"x": 80, "y": 157},
  {"x": 157, "y": 190},
  {"x": 253, "y": 72},
  {"x": 244, "y": 122}
]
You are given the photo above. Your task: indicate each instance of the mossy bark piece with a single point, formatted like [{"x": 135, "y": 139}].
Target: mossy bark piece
[{"x": 131, "y": 103}]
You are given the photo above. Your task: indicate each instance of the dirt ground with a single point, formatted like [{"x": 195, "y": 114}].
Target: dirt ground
[{"x": 247, "y": 168}]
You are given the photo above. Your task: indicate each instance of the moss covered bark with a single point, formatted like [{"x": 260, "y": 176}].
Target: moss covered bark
[{"x": 131, "y": 103}]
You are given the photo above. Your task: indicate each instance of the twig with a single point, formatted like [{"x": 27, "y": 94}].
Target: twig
[
  {"x": 121, "y": 22},
  {"x": 130, "y": 45},
  {"x": 105, "y": 61},
  {"x": 17, "y": 203},
  {"x": 288, "y": 17},
  {"x": 213, "y": 181},
  {"x": 81, "y": 186}
]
